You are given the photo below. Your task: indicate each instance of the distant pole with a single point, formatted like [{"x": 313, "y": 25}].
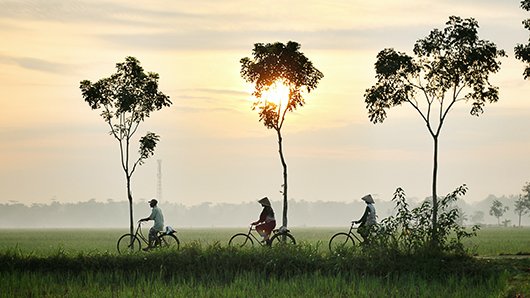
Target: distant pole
[{"x": 159, "y": 181}]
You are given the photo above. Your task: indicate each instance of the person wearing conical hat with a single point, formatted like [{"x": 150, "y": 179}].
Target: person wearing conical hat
[
  {"x": 368, "y": 220},
  {"x": 266, "y": 222}
]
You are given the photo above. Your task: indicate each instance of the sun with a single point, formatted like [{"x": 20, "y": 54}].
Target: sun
[{"x": 277, "y": 93}]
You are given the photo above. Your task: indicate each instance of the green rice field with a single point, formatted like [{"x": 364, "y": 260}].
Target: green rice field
[
  {"x": 85, "y": 263},
  {"x": 489, "y": 241}
]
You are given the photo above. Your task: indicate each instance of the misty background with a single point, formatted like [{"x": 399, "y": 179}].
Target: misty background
[{"x": 115, "y": 214}]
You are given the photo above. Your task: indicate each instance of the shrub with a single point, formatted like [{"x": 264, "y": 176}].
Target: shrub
[{"x": 409, "y": 231}]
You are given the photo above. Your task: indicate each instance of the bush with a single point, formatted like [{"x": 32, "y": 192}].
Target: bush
[{"x": 409, "y": 232}]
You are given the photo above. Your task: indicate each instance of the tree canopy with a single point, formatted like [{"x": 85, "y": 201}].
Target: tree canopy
[
  {"x": 522, "y": 51},
  {"x": 278, "y": 62}
]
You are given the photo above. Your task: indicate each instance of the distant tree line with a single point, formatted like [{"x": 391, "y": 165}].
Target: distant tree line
[{"x": 114, "y": 214}]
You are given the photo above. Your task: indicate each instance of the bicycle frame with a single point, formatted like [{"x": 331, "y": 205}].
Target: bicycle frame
[
  {"x": 351, "y": 233},
  {"x": 139, "y": 234},
  {"x": 250, "y": 234}
]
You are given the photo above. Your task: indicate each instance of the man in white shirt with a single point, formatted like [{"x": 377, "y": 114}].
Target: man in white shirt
[{"x": 158, "y": 217}]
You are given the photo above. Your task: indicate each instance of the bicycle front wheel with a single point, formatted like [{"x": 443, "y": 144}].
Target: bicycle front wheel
[
  {"x": 340, "y": 240},
  {"x": 128, "y": 243},
  {"x": 241, "y": 240},
  {"x": 282, "y": 239},
  {"x": 169, "y": 241}
]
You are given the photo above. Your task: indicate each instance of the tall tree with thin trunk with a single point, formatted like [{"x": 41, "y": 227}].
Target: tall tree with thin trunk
[
  {"x": 275, "y": 65},
  {"x": 125, "y": 99},
  {"x": 522, "y": 51},
  {"x": 522, "y": 205},
  {"x": 451, "y": 65},
  {"x": 498, "y": 209}
]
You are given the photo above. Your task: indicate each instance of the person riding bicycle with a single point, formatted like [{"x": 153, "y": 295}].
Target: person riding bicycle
[
  {"x": 266, "y": 222},
  {"x": 158, "y": 217},
  {"x": 368, "y": 220}
]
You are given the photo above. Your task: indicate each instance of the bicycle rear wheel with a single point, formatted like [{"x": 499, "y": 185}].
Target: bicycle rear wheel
[
  {"x": 340, "y": 240},
  {"x": 241, "y": 240},
  {"x": 128, "y": 243},
  {"x": 169, "y": 241},
  {"x": 282, "y": 239}
]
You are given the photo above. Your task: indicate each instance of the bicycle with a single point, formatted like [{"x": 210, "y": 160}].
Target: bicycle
[
  {"x": 130, "y": 243},
  {"x": 281, "y": 236},
  {"x": 342, "y": 239}
]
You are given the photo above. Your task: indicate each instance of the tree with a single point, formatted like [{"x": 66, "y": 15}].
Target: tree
[
  {"x": 497, "y": 209},
  {"x": 125, "y": 99},
  {"x": 522, "y": 205},
  {"x": 522, "y": 52},
  {"x": 276, "y": 64},
  {"x": 451, "y": 65},
  {"x": 526, "y": 191}
]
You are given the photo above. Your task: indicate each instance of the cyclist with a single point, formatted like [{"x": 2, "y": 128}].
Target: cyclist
[
  {"x": 158, "y": 217},
  {"x": 368, "y": 219},
  {"x": 266, "y": 222}
]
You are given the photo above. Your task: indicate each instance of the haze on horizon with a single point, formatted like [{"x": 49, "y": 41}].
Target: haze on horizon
[{"x": 54, "y": 147}]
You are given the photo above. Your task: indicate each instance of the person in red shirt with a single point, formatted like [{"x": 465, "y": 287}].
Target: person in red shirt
[{"x": 266, "y": 222}]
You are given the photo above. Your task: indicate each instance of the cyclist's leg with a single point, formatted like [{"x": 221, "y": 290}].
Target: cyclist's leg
[
  {"x": 363, "y": 231},
  {"x": 261, "y": 230},
  {"x": 152, "y": 236},
  {"x": 267, "y": 230}
]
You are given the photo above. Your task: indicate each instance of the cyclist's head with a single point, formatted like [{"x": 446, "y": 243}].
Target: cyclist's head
[
  {"x": 153, "y": 202},
  {"x": 265, "y": 202}
]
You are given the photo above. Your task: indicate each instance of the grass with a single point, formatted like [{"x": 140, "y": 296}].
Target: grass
[
  {"x": 492, "y": 241},
  {"x": 245, "y": 285},
  {"x": 489, "y": 242},
  {"x": 84, "y": 263}
]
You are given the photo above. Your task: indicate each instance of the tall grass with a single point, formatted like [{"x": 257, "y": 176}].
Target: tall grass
[
  {"x": 87, "y": 284},
  {"x": 214, "y": 270},
  {"x": 222, "y": 262}
]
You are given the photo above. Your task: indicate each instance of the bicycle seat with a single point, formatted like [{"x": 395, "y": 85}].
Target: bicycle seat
[{"x": 169, "y": 230}]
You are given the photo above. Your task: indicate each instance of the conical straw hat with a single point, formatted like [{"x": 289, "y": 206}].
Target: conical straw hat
[
  {"x": 368, "y": 199},
  {"x": 265, "y": 201}
]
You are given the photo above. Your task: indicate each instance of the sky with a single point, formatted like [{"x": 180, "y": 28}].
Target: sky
[{"x": 212, "y": 147}]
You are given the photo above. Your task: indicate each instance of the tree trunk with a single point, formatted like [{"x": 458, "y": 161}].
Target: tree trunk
[
  {"x": 434, "y": 194},
  {"x": 280, "y": 150},
  {"x": 130, "y": 198},
  {"x": 520, "y": 214}
]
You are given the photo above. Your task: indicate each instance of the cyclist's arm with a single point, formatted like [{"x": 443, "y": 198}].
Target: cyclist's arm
[
  {"x": 150, "y": 217},
  {"x": 262, "y": 218},
  {"x": 365, "y": 215}
]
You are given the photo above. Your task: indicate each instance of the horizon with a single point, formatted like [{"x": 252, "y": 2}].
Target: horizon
[{"x": 55, "y": 148}]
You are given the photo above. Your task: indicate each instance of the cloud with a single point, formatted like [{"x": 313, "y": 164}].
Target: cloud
[
  {"x": 39, "y": 64},
  {"x": 197, "y": 100},
  {"x": 84, "y": 11},
  {"x": 346, "y": 39}
]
